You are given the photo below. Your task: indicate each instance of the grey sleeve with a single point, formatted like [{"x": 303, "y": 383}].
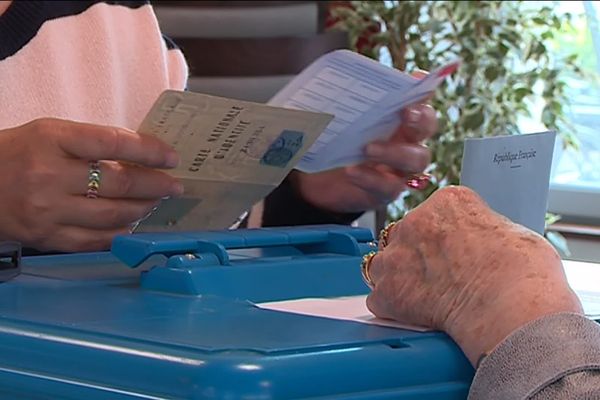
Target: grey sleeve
[{"x": 555, "y": 357}]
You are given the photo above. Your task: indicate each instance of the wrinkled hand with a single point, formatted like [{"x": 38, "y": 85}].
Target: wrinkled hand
[
  {"x": 379, "y": 180},
  {"x": 45, "y": 175},
  {"x": 455, "y": 265}
]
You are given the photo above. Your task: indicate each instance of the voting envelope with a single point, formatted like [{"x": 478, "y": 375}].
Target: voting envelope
[{"x": 512, "y": 174}]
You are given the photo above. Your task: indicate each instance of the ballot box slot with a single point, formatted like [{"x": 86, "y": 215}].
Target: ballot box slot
[{"x": 10, "y": 260}]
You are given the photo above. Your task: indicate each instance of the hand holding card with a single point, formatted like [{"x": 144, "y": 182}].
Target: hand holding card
[{"x": 233, "y": 153}]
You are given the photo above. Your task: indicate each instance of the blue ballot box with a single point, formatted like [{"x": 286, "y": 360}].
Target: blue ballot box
[{"x": 171, "y": 316}]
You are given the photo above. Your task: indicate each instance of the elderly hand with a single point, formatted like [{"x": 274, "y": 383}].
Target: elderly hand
[
  {"x": 380, "y": 180},
  {"x": 455, "y": 265},
  {"x": 44, "y": 180}
]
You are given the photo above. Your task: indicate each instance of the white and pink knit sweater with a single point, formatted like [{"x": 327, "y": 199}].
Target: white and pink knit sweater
[
  {"x": 104, "y": 62},
  {"x": 96, "y": 62}
]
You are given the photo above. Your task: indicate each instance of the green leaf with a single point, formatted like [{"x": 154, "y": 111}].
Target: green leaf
[
  {"x": 548, "y": 117},
  {"x": 551, "y": 219},
  {"x": 492, "y": 72},
  {"x": 521, "y": 93},
  {"x": 474, "y": 120},
  {"x": 547, "y": 35}
]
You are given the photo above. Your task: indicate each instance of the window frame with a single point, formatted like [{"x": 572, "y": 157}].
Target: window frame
[
  {"x": 579, "y": 204},
  {"x": 575, "y": 204}
]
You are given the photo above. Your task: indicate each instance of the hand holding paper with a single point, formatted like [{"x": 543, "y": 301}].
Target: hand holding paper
[
  {"x": 364, "y": 96},
  {"x": 377, "y": 130},
  {"x": 378, "y": 180},
  {"x": 240, "y": 155},
  {"x": 233, "y": 153}
]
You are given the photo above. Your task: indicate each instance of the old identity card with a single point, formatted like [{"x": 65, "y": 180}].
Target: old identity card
[{"x": 233, "y": 153}]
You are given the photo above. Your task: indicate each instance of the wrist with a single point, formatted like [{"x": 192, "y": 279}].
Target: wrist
[
  {"x": 300, "y": 185},
  {"x": 480, "y": 327},
  {"x": 287, "y": 206}
]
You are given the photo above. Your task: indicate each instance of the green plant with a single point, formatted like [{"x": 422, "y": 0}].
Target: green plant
[{"x": 506, "y": 67}]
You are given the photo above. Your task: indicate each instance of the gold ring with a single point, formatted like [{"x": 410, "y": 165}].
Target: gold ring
[
  {"x": 93, "y": 180},
  {"x": 384, "y": 235},
  {"x": 364, "y": 268}
]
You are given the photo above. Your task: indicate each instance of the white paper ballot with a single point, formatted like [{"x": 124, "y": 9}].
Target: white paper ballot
[
  {"x": 512, "y": 174},
  {"x": 364, "y": 96},
  {"x": 352, "y": 308},
  {"x": 583, "y": 278}
]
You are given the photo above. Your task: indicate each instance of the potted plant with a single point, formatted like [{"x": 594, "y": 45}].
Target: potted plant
[{"x": 507, "y": 67}]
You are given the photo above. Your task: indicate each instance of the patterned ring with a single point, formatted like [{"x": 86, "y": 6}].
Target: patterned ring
[
  {"x": 93, "y": 180},
  {"x": 364, "y": 268},
  {"x": 385, "y": 234}
]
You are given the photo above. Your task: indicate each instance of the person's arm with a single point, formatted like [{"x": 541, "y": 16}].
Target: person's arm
[
  {"x": 49, "y": 199},
  {"x": 554, "y": 357},
  {"x": 498, "y": 289},
  {"x": 582, "y": 385},
  {"x": 341, "y": 195}
]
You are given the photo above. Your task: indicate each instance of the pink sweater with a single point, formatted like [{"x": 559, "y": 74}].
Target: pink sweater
[
  {"x": 97, "y": 62},
  {"x": 105, "y": 63}
]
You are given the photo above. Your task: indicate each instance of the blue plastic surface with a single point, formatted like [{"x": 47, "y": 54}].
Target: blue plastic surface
[{"x": 87, "y": 327}]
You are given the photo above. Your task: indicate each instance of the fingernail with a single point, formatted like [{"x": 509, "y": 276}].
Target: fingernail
[
  {"x": 353, "y": 172},
  {"x": 177, "y": 189},
  {"x": 172, "y": 159},
  {"x": 413, "y": 115},
  {"x": 419, "y": 73},
  {"x": 375, "y": 150}
]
